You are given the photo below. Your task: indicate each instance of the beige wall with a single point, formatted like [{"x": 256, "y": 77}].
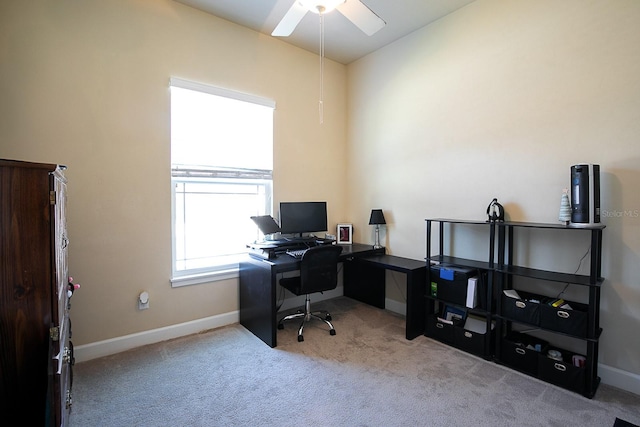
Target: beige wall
[
  {"x": 498, "y": 100},
  {"x": 85, "y": 83}
]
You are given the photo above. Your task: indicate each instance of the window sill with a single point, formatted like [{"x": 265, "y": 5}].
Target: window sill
[{"x": 196, "y": 279}]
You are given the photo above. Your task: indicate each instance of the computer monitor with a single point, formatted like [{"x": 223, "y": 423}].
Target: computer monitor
[{"x": 303, "y": 217}]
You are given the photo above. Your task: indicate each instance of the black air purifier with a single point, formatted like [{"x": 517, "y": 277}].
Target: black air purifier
[{"x": 585, "y": 194}]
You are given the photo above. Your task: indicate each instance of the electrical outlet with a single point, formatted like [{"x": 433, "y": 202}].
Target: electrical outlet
[{"x": 143, "y": 301}]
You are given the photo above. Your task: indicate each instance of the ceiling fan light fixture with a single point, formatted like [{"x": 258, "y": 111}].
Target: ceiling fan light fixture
[{"x": 321, "y": 6}]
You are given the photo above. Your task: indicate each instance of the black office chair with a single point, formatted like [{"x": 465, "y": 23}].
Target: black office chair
[{"x": 318, "y": 273}]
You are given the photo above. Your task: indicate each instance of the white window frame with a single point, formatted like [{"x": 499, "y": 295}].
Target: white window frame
[{"x": 229, "y": 268}]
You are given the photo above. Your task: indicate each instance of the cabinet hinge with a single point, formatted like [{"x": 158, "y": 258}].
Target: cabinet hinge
[
  {"x": 54, "y": 333},
  {"x": 52, "y": 197}
]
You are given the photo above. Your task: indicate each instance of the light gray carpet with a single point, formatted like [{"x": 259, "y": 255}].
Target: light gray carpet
[{"x": 366, "y": 375}]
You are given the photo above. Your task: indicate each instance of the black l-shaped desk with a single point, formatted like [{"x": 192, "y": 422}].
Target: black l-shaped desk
[{"x": 363, "y": 280}]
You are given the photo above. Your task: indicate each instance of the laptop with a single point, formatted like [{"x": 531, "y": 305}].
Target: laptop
[{"x": 266, "y": 224}]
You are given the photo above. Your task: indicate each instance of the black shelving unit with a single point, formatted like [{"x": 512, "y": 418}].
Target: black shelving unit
[
  {"x": 533, "y": 311},
  {"x": 515, "y": 342},
  {"x": 456, "y": 334}
]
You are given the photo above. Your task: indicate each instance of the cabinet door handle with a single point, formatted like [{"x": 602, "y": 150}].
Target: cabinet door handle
[
  {"x": 563, "y": 314},
  {"x": 560, "y": 367}
]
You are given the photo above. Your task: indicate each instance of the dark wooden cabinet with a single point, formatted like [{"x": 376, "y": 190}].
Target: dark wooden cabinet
[{"x": 35, "y": 349}]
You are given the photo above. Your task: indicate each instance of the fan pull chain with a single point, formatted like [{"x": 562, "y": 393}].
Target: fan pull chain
[{"x": 321, "y": 101}]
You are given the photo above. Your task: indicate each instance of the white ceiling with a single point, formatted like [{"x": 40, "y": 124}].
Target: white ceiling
[{"x": 344, "y": 42}]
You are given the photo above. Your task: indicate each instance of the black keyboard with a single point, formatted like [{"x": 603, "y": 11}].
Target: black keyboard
[{"x": 296, "y": 253}]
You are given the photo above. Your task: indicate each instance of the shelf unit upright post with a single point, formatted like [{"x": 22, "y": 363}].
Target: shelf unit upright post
[
  {"x": 450, "y": 260},
  {"x": 506, "y": 270}
]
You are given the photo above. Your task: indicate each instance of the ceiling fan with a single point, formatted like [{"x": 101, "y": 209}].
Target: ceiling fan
[{"x": 354, "y": 10}]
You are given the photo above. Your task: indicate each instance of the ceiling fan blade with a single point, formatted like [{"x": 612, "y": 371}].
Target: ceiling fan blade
[
  {"x": 290, "y": 20},
  {"x": 363, "y": 17}
]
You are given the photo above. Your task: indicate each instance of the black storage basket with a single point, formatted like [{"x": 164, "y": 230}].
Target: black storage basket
[
  {"x": 517, "y": 352},
  {"x": 562, "y": 373},
  {"x": 569, "y": 321},
  {"x": 472, "y": 342},
  {"x": 439, "y": 330},
  {"x": 522, "y": 309}
]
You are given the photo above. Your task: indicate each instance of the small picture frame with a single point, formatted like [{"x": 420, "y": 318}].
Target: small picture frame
[{"x": 344, "y": 234}]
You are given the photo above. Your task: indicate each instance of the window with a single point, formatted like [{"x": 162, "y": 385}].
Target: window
[{"x": 221, "y": 175}]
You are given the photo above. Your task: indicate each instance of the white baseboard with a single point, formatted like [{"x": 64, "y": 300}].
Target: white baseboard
[
  {"x": 395, "y": 306},
  {"x": 618, "y": 378},
  {"x": 127, "y": 342}
]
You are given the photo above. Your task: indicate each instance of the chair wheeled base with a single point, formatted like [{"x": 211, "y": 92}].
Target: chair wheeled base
[{"x": 306, "y": 316}]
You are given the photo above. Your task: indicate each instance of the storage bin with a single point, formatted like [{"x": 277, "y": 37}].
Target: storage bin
[
  {"x": 572, "y": 322},
  {"x": 450, "y": 283},
  {"x": 473, "y": 340},
  {"x": 562, "y": 373},
  {"x": 517, "y": 352},
  {"x": 439, "y": 330},
  {"x": 522, "y": 309}
]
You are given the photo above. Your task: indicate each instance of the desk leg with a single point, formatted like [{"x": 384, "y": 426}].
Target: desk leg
[
  {"x": 416, "y": 281},
  {"x": 364, "y": 282},
  {"x": 258, "y": 300}
]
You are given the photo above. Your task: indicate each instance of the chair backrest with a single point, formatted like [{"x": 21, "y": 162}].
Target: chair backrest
[{"x": 319, "y": 269}]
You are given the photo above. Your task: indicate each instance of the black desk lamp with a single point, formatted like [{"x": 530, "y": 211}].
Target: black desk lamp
[{"x": 377, "y": 218}]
